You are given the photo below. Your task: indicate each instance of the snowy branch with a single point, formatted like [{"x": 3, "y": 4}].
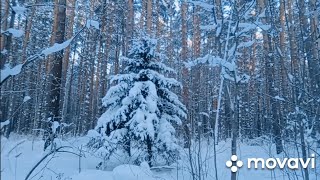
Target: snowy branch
[{"x": 8, "y": 72}]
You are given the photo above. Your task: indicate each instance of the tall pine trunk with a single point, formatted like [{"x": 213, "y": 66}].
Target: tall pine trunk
[{"x": 55, "y": 68}]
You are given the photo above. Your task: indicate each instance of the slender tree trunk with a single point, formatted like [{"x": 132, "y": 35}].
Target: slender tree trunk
[
  {"x": 143, "y": 14},
  {"x": 184, "y": 51},
  {"x": 56, "y": 59},
  {"x": 55, "y": 64},
  {"x": 27, "y": 33},
  {"x": 149, "y": 16},
  {"x": 130, "y": 24},
  {"x": 65, "y": 64}
]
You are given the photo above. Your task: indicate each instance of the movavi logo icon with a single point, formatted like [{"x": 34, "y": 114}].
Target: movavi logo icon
[
  {"x": 272, "y": 163},
  {"x": 234, "y": 160}
]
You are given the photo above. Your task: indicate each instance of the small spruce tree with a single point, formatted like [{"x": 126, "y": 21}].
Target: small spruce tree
[{"x": 141, "y": 110}]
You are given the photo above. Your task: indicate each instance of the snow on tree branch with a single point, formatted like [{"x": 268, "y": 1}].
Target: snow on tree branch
[
  {"x": 15, "y": 32},
  {"x": 92, "y": 23},
  {"x": 56, "y": 47},
  {"x": 7, "y": 71},
  {"x": 5, "y": 123},
  {"x": 19, "y": 9},
  {"x": 212, "y": 61}
]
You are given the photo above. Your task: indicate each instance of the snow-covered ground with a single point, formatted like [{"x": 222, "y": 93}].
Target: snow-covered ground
[{"x": 19, "y": 154}]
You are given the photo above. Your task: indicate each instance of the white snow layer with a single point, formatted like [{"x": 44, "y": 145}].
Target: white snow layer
[
  {"x": 54, "y": 126},
  {"x": 4, "y": 123},
  {"x": 92, "y": 23},
  {"x": 26, "y": 98},
  {"x": 122, "y": 172},
  {"x": 212, "y": 61},
  {"x": 279, "y": 98},
  {"x": 203, "y": 5},
  {"x": 19, "y": 9},
  {"x": 56, "y": 47},
  {"x": 19, "y": 155},
  {"x": 15, "y": 32},
  {"x": 7, "y": 71}
]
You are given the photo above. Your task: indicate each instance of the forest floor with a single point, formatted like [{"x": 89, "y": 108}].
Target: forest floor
[{"x": 19, "y": 154}]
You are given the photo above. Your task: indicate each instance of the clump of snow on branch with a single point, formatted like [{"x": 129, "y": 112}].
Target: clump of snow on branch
[
  {"x": 212, "y": 61},
  {"x": 279, "y": 98},
  {"x": 208, "y": 27},
  {"x": 15, "y": 32},
  {"x": 55, "y": 125},
  {"x": 92, "y": 23},
  {"x": 246, "y": 44},
  {"x": 56, "y": 47},
  {"x": 7, "y": 71},
  {"x": 204, "y": 5},
  {"x": 26, "y": 98},
  {"x": 4, "y": 123},
  {"x": 19, "y": 9}
]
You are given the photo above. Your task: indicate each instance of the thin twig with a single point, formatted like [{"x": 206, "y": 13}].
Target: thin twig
[{"x": 43, "y": 158}]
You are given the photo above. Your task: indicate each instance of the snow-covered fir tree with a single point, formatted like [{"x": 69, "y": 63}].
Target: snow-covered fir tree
[{"x": 142, "y": 111}]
